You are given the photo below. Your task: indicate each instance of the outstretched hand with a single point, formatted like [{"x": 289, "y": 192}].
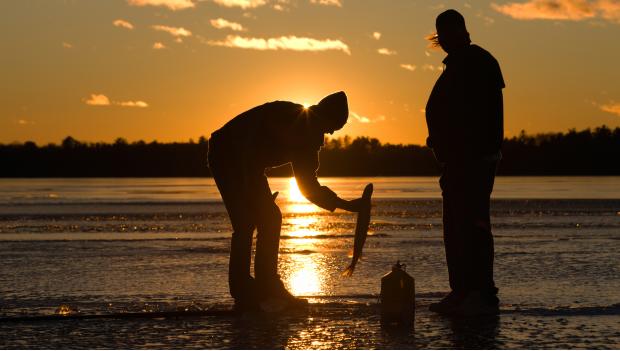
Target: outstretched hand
[{"x": 353, "y": 205}]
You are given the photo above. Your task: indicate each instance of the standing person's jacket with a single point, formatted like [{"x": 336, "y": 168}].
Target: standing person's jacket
[
  {"x": 272, "y": 135},
  {"x": 464, "y": 112}
]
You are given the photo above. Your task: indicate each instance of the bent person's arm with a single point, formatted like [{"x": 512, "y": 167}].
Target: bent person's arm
[{"x": 305, "y": 166}]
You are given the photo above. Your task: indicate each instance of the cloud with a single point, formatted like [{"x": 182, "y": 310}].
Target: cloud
[
  {"x": 138, "y": 103},
  {"x": 102, "y": 100},
  {"x": 408, "y": 67},
  {"x": 609, "y": 10},
  {"x": 327, "y": 2},
  {"x": 67, "y": 45},
  {"x": 24, "y": 122},
  {"x": 385, "y": 51},
  {"x": 244, "y": 4},
  {"x": 486, "y": 19},
  {"x": 428, "y": 67},
  {"x": 158, "y": 46},
  {"x": 281, "y": 5},
  {"x": 613, "y": 107},
  {"x": 97, "y": 100},
  {"x": 364, "y": 119},
  {"x": 282, "y": 43},
  {"x": 174, "y": 31},
  {"x": 221, "y": 23},
  {"x": 122, "y": 24},
  {"x": 568, "y": 10},
  {"x": 171, "y": 4},
  {"x": 376, "y": 35},
  {"x": 361, "y": 119}
]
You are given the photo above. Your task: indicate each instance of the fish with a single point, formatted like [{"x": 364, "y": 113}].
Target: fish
[{"x": 361, "y": 229}]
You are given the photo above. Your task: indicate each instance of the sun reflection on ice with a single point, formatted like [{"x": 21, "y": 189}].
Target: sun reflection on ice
[
  {"x": 306, "y": 278},
  {"x": 298, "y": 203},
  {"x": 294, "y": 194},
  {"x": 305, "y": 271},
  {"x": 301, "y": 226}
]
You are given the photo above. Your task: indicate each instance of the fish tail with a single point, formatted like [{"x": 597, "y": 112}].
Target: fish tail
[{"x": 349, "y": 271}]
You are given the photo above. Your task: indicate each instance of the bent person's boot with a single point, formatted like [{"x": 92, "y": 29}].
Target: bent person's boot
[
  {"x": 246, "y": 304},
  {"x": 274, "y": 297},
  {"x": 478, "y": 304},
  {"x": 448, "y": 303}
]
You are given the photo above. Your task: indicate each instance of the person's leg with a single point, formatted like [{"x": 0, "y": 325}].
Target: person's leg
[
  {"x": 452, "y": 193},
  {"x": 239, "y": 278},
  {"x": 481, "y": 298},
  {"x": 270, "y": 289},
  {"x": 480, "y": 243},
  {"x": 237, "y": 201},
  {"x": 268, "y": 225},
  {"x": 453, "y": 239}
]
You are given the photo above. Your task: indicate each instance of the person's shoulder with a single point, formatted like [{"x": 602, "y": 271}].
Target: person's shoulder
[
  {"x": 487, "y": 65},
  {"x": 480, "y": 54}
]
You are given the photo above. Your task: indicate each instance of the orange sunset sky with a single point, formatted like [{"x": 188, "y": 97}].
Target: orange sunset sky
[{"x": 172, "y": 70}]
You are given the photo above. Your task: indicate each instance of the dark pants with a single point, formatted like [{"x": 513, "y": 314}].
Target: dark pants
[
  {"x": 250, "y": 206},
  {"x": 466, "y": 190}
]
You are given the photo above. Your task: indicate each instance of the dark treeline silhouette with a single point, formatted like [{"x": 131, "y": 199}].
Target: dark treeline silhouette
[
  {"x": 586, "y": 152},
  {"x": 120, "y": 159}
]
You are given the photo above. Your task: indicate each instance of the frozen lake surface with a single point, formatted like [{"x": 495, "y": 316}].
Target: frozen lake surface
[{"x": 104, "y": 246}]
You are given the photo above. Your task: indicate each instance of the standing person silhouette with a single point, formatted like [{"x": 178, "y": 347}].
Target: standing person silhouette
[
  {"x": 464, "y": 115},
  {"x": 266, "y": 136}
]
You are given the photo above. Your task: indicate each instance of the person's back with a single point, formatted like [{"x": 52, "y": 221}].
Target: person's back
[{"x": 269, "y": 135}]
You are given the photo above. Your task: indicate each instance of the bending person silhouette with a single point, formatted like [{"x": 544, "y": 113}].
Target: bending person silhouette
[
  {"x": 464, "y": 115},
  {"x": 266, "y": 136}
]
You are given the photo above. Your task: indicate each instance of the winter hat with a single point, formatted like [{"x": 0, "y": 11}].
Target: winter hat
[{"x": 334, "y": 107}]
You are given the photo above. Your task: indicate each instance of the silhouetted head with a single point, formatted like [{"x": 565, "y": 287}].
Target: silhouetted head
[
  {"x": 331, "y": 113},
  {"x": 451, "y": 31}
]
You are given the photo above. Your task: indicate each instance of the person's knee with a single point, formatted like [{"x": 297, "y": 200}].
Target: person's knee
[
  {"x": 270, "y": 218},
  {"x": 243, "y": 228},
  {"x": 274, "y": 216}
]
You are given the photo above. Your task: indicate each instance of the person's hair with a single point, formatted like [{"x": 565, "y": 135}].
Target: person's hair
[{"x": 433, "y": 40}]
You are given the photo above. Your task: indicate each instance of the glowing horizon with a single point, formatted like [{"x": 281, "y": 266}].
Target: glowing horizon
[{"x": 173, "y": 70}]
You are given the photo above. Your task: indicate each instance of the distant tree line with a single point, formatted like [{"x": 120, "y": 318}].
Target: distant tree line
[{"x": 586, "y": 152}]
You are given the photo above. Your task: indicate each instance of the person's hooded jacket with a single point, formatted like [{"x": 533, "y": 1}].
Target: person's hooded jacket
[{"x": 277, "y": 133}]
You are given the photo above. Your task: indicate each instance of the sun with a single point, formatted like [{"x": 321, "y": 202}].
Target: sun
[{"x": 306, "y": 105}]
